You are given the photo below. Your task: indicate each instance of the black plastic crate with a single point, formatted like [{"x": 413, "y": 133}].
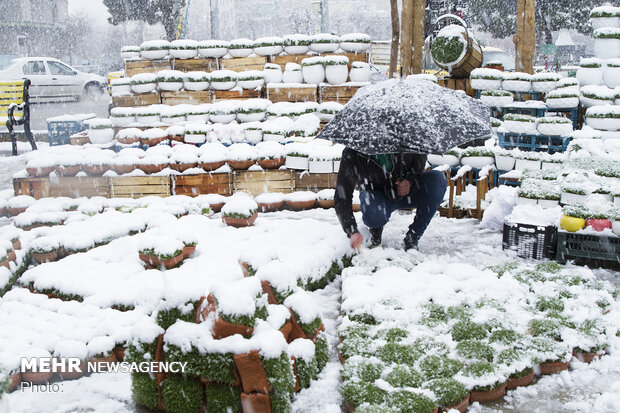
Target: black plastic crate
[
  {"x": 530, "y": 241},
  {"x": 573, "y": 246}
]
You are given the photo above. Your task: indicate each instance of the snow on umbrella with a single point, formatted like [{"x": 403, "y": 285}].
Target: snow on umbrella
[{"x": 408, "y": 116}]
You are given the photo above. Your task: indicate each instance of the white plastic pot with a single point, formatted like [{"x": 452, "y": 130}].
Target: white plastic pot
[
  {"x": 548, "y": 203},
  {"x": 253, "y": 135},
  {"x": 195, "y": 139},
  {"x": 523, "y": 164},
  {"x": 543, "y": 87},
  {"x": 183, "y": 53},
  {"x": 268, "y": 50},
  {"x": 520, "y": 127},
  {"x": 607, "y": 48},
  {"x": 153, "y": 54},
  {"x": 616, "y": 200},
  {"x": 496, "y": 101},
  {"x": 130, "y": 55},
  {"x": 589, "y": 76},
  {"x": 526, "y": 201},
  {"x": 324, "y": 47},
  {"x": 551, "y": 165},
  {"x": 144, "y": 88},
  {"x": 223, "y": 85},
  {"x": 504, "y": 163},
  {"x": 121, "y": 90},
  {"x": 320, "y": 167},
  {"x": 354, "y": 47},
  {"x": 101, "y": 136},
  {"x": 486, "y": 84},
  {"x": 589, "y": 102},
  {"x": 121, "y": 121},
  {"x": 555, "y": 129},
  {"x": 296, "y": 49},
  {"x": 170, "y": 86},
  {"x": 600, "y": 22},
  {"x": 251, "y": 117},
  {"x": 562, "y": 103},
  {"x": 360, "y": 74},
  {"x": 148, "y": 119},
  {"x": 196, "y": 86},
  {"x": 336, "y": 74},
  {"x": 517, "y": 85},
  {"x": 615, "y": 227},
  {"x": 212, "y": 51},
  {"x": 326, "y": 117},
  {"x": 197, "y": 118},
  {"x": 292, "y": 76},
  {"x": 336, "y": 166},
  {"x": 273, "y": 137},
  {"x": 222, "y": 118},
  {"x": 313, "y": 74},
  {"x": 250, "y": 84},
  {"x": 477, "y": 162},
  {"x": 173, "y": 120},
  {"x": 611, "y": 77},
  {"x": 240, "y": 52},
  {"x": 296, "y": 162},
  {"x": 438, "y": 160},
  {"x": 609, "y": 124},
  {"x": 568, "y": 198},
  {"x": 273, "y": 75}
]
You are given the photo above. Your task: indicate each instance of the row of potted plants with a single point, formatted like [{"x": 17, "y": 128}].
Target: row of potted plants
[
  {"x": 493, "y": 79},
  {"x": 596, "y": 71},
  {"x": 597, "y": 217}
]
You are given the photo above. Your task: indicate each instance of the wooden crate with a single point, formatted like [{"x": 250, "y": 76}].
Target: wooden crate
[
  {"x": 457, "y": 84},
  {"x": 193, "y": 185},
  {"x": 74, "y": 187},
  {"x": 144, "y": 99},
  {"x": 289, "y": 58},
  {"x": 314, "y": 182},
  {"x": 256, "y": 183},
  {"x": 145, "y": 66},
  {"x": 193, "y": 65},
  {"x": 236, "y": 94},
  {"x": 240, "y": 64},
  {"x": 81, "y": 138},
  {"x": 186, "y": 97},
  {"x": 139, "y": 186},
  {"x": 292, "y": 94},
  {"x": 341, "y": 94},
  {"x": 35, "y": 187}
]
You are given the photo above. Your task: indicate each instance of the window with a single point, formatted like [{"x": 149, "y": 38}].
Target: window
[
  {"x": 57, "y": 68},
  {"x": 34, "y": 67}
]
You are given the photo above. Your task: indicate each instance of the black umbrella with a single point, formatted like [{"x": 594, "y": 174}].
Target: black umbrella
[{"x": 415, "y": 116}]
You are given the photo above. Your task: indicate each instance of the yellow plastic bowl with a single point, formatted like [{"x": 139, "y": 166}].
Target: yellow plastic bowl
[{"x": 572, "y": 224}]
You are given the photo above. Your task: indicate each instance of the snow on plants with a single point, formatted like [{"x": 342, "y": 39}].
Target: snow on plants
[
  {"x": 240, "y": 206},
  {"x": 449, "y": 46}
]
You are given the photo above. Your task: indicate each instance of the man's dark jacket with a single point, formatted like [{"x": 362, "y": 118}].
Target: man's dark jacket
[{"x": 359, "y": 169}]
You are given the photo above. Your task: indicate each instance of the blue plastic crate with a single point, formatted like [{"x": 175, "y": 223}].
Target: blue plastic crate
[
  {"x": 60, "y": 128},
  {"x": 533, "y": 142}
]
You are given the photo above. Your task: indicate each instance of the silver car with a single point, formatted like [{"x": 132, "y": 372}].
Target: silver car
[{"x": 53, "y": 80}]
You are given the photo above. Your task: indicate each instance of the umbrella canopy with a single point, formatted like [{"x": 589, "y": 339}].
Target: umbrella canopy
[{"x": 414, "y": 116}]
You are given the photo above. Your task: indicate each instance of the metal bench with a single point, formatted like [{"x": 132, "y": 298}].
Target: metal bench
[{"x": 14, "y": 109}]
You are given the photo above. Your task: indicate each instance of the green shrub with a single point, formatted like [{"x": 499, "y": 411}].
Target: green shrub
[
  {"x": 447, "y": 49},
  {"x": 307, "y": 370},
  {"x": 363, "y": 346},
  {"x": 181, "y": 394},
  {"x": 500, "y": 270},
  {"x": 144, "y": 390},
  {"x": 137, "y": 352},
  {"x": 460, "y": 312},
  {"x": 376, "y": 408},
  {"x": 280, "y": 402},
  {"x": 480, "y": 369},
  {"x": 357, "y": 393},
  {"x": 392, "y": 335},
  {"x": 280, "y": 374},
  {"x": 439, "y": 367},
  {"x": 511, "y": 356},
  {"x": 408, "y": 402},
  {"x": 168, "y": 317},
  {"x": 365, "y": 369},
  {"x": 550, "y": 304},
  {"x": 223, "y": 398},
  {"x": 448, "y": 391},
  {"x": 215, "y": 367},
  {"x": 428, "y": 345},
  {"x": 398, "y": 354},
  {"x": 475, "y": 350},
  {"x": 321, "y": 352},
  {"x": 404, "y": 376},
  {"x": 546, "y": 327},
  {"x": 467, "y": 330}
]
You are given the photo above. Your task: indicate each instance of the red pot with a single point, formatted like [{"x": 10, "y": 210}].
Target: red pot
[
  {"x": 271, "y": 163},
  {"x": 15, "y": 211},
  {"x": 301, "y": 205},
  {"x": 240, "y": 222},
  {"x": 216, "y": 207},
  {"x": 151, "y": 168},
  {"x": 488, "y": 396},
  {"x": 47, "y": 257},
  {"x": 598, "y": 224},
  {"x": 211, "y": 166},
  {"x": 188, "y": 250},
  {"x": 270, "y": 207},
  {"x": 95, "y": 170},
  {"x": 42, "y": 171},
  {"x": 521, "y": 381},
  {"x": 461, "y": 407},
  {"x": 180, "y": 167},
  {"x": 123, "y": 169},
  {"x": 241, "y": 165},
  {"x": 586, "y": 357},
  {"x": 326, "y": 203},
  {"x": 68, "y": 170},
  {"x": 554, "y": 367}
]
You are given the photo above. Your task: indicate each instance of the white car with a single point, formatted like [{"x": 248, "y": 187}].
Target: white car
[{"x": 53, "y": 80}]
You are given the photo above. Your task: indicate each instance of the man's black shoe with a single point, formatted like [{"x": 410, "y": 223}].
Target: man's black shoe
[
  {"x": 375, "y": 236},
  {"x": 411, "y": 241}
]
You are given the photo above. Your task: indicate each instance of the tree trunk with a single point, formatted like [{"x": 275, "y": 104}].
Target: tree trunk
[
  {"x": 406, "y": 37},
  {"x": 529, "y": 37},
  {"x": 419, "y": 12},
  {"x": 171, "y": 28},
  {"x": 518, "y": 37},
  {"x": 395, "y": 37}
]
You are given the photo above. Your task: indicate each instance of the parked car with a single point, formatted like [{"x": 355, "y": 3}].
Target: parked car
[{"x": 53, "y": 80}]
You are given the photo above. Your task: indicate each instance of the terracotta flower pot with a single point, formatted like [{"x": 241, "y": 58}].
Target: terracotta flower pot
[
  {"x": 152, "y": 169},
  {"x": 216, "y": 207},
  {"x": 6, "y": 263},
  {"x": 15, "y": 211},
  {"x": 326, "y": 203},
  {"x": 37, "y": 378},
  {"x": 255, "y": 402},
  {"x": 180, "y": 167},
  {"x": 95, "y": 170},
  {"x": 554, "y": 367},
  {"x": 587, "y": 357},
  {"x": 356, "y": 208},
  {"x": 72, "y": 375},
  {"x": 155, "y": 261},
  {"x": 128, "y": 141},
  {"x": 270, "y": 207},
  {"x": 211, "y": 166},
  {"x": 16, "y": 378},
  {"x": 45, "y": 257},
  {"x": 153, "y": 142},
  {"x": 240, "y": 222},
  {"x": 301, "y": 205},
  {"x": 461, "y": 407},
  {"x": 188, "y": 250},
  {"x": 119, "y": 352},
  {"x": 241, "y": 165},
  {"x": 521, "y": 381},
  {"x": 64, "y": 170},
  {"x": 598, "y": 224},
  {"x": 177, "y": 138},
  {"x": 488, "y": 396},
  {"x": 271, "y": 163},
  {"x": 17, "y": 244},
  {"x": 123, "y": 169},
  {"x": 252, "y": 373},
  {"x": 41, "y": 171},
  {"x": 11, "y": 256}
]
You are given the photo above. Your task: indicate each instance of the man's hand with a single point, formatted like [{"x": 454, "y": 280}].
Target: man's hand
[
  {"x": 356, "y": 241},
  {"x": 403, "y": 187}
]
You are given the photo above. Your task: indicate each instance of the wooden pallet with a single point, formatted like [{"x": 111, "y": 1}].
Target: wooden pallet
[
  {"x": 145, "y": 66},
  {"x": 35, "y": 187},
  {"x": 314, "y": 182},
  {"x": 186, "y": 97},
  {"x": 80, "y": 138},
  {"x": 139, "y": 186},
  {"x": 74, "y": 187},
  {"x": 292, "y": 94},
  {"x": 457, "y": 84},
  {"x": 289, "y": 58},
  {"x": 236, "y": 94},
  {"x": 193, "y": 185},
  {"x": 240, "y": 64},
  {"x": 341, "y": 94},
  {"x": 256, "y": 183},
  {"x": 144, "y": 99},
  {"x": 193, "y": 65}
]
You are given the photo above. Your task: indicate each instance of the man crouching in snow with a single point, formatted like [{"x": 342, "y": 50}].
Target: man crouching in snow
[{"x": 387, "y": 182}]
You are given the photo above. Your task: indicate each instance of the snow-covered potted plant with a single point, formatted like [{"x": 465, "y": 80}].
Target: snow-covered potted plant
[
  {"x": 590, "y": 72},
  {"x": 594, "y": 95},
  {"x": 253, "y": 132},
  {"x": 449, "y": 46},
  {"x": 486, "y": 79},
  {"x": 324, "y": 43},
  {"x": 183, "y": 49},
  {"x": 607, "y": 42},
  {"x": 336, "y": 69},
  {"x": 552, "y": 162},
  {"x": 241, "y": 47},
  {"x": 223, "y": 111},
  {"x": 250, "y": 79},
  {"x": 252, "y": 110},
  {"x": 182, "y": 160},
  {"x": 555, "y": 126},
  {"x": 313, "y": 70},
  {"x": 576, "y": 191},
  {"x": 296, "y": 43},
  {"x": 121, "y": 116},
  {"x": 603, "y": 117},
  {"x": 495, "y": 124},
  {"x": 272, "y": 73},
  {"x": 271, "y": 155},
  {"x": 241, "y": 156},
  {"x": 504, "y": 160},
  {"x": 196, "y": 81},
  {"x": 298, "y": 201},
  {"x": 96, "y": 164},
  {"x": 519, "y": 123},
  {"x": 161, "y": 251},
  {"x": 573, "y": 217},
  {"x": 321, "y": 160},
  {"x": 517, "y": 81},
  {"x": 564, "y": 98},
  {"x": 611, "y": 74},
  {"x": 452, "y": 158},
  {"x": 605, "y": 16},
  {"x": 292, "y": 73},
  {"x": 148, "y": 115},
  {"x": 153, "y": 136},
  {"x": 496, "y": 98},
  {"x": 213, "y": 48},
  {"x": 154, "y": 49},
  {"x": 355, "y": 42},
  {"x": 360, "y": 72},
  {"x": 494, "y": 64},
  {"x": 297, "y": 156},
  {"x": 544, "y": 82},
  {"x": 450, "y": 393},
  {"x": 173, "y": 115},
  {"x": 121, "y": 86},
  {"x": 597, "y": 217},
  {"x": 44, "y": 249},
  {"x": 477, "y": 157},
  {"x": 268, "y": 46},
  {"x": 124, "y": 164},
  {"x": 327, "y": 110},
  {"x": 306, "y": 126},
  {"x": 153, "y": 164},
  {"x": 487, "y": 383},
  {"x": 69, "y": 165},
  {"x": 527, "y": 160},
  {"x": 143, "y": 83},
  {"x": 223, "y": 79},
  {"x": 196, "y": 133},
  {"x": 198, "y": 113},
  {"x": 130, "y": 52},
  {"x": 240, "y": 211},
  {"x": 614, "y": 216},
  {"x": 278, "y": 129},
  {"x": 210, "y": 161},
  {"x": 100, "y": 130},
  {"x": 270, "y": 201},
  {"x": 40, "y": 166},
  {"x": 325, "y": 198}
]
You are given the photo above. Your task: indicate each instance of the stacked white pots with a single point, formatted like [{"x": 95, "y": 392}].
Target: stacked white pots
[
  {"x": 292, "y": 73},
  {"x": 336, "y": 69},
  {"x": 486, "y": 79}
]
